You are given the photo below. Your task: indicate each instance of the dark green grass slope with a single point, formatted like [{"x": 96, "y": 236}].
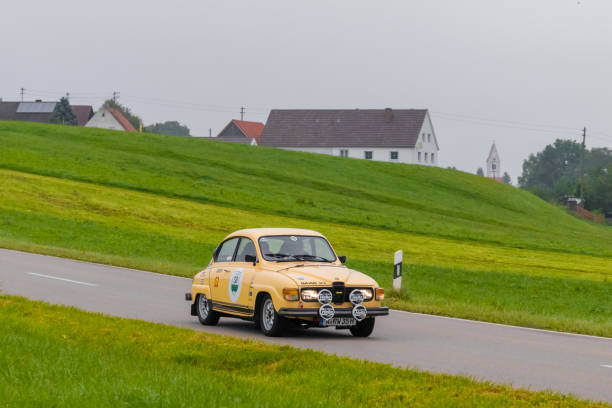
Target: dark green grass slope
[{"x": 403, "y": 198}]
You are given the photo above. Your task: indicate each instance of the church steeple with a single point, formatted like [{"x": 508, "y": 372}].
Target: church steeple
[{"x": 493, "y": 163}]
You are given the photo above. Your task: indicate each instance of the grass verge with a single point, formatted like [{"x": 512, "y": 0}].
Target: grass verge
[{"x": 63, "y": 357}]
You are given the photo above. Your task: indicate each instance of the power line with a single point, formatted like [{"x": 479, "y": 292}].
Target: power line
[
  {"x": 509, "y": 122},
  {"x": 508, "y": 126}
]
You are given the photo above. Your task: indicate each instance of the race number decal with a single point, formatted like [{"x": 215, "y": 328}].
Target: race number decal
[{"x": 235, "y": 285}]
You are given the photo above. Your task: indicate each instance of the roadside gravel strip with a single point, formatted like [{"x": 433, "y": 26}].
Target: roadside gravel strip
[{"x": 538, "y": 359}]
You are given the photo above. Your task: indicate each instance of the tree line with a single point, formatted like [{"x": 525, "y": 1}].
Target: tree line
[{"x": 556, "y": 172}]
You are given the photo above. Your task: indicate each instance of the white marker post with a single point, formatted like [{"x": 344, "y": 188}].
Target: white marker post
[{"x": 397, "y": 271}]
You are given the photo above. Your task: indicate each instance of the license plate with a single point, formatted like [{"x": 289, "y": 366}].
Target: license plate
[{"x": 340, "y": 321}]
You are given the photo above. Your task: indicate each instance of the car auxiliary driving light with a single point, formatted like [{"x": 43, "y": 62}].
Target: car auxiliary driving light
[
  {"x": 359, "y": 312},
  {"x": 325, "y": 296},
  {"x": 291, "y": 294},
  {"x": 327, "y": 311},
  {"x": 356, "y": 296}
]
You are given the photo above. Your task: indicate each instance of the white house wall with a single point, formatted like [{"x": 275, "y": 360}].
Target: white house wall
[
  {"x": 427, "y": 143},
  {"x": 405, "y": 155},
  {"x": 103, "y": 119}
]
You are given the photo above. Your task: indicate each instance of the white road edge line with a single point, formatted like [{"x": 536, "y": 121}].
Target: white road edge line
[
  {"x": 502, "y": 325},
  {"x": 606, "y": 366},
  {"x": 62, "y": 279}
]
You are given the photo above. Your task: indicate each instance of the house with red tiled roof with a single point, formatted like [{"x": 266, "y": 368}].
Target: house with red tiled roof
[
  {"x": 391, "y": 135},
  {"x": 110, "y": 118},
  {"x": 241, "y": 131}
]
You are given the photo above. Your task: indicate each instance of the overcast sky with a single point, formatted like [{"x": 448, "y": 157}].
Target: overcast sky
[{"x": 520, "y": 73}]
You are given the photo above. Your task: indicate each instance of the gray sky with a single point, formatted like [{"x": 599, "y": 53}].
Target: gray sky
[{"x": 520, "y": 72}]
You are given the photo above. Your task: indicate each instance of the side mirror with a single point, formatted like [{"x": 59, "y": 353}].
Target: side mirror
[
  {"x": 251, "y": 258},
  {"x": 342, "y": 258}
]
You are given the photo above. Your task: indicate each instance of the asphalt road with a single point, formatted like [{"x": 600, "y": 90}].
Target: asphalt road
[{"x": 537, "y": 359}]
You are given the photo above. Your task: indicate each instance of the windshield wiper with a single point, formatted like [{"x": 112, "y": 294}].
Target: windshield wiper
[
  {"x": 278, "y": 256},
  {"x": 308, "y": 257}
]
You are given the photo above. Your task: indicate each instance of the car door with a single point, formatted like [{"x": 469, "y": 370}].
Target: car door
[
  {"x": 222, "y": 270},
  {"x": 243, "y": 275}
]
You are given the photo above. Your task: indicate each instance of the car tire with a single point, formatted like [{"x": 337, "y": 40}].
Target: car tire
[
  {"x": 271, "y": 323},
  {"x": 206, "y": 315},
  {"x": 363, "y": 328}
]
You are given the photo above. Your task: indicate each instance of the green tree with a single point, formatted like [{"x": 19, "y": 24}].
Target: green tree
[
  {"x": 133, "y": 119},
  {"x": 507, "y": 179},
  {"x": 542, "y": 171},
  {"x": 170, "y": 127},
  {"x": 555, "y": 172},
  {"x": 480, "y": 172},
  {"x": 63, "y": 114}
]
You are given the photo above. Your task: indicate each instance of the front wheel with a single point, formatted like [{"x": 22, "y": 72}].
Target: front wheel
[
  {"x": 270, "y": 322},
  {"x": 363, "y": 328},
  {"x": 206, "y": 315}
]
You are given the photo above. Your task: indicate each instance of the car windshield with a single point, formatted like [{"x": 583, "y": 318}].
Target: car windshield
[{"x": 287, "y": 248}]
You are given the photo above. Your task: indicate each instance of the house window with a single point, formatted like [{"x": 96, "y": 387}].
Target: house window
[
  {"x": 368, "y": 155},
  {"x": 425, "y": 157},
  {"x": 432, "y": 157},
  {"x": 394, "y": 155},
  {"x": 429, "y": 138},
  {"x": 419, "y": 154},
  {"x": 343, "y": 152}
]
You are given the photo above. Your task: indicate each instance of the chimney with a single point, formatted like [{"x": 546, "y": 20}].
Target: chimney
[
  {"x": 38, "y": 100},
  {"x": 388, "y": 114}
]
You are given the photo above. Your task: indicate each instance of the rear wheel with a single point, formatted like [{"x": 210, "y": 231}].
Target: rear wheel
[
  {"x": 206, "y": 315},
  {"x": 271, "y": 323},
  {"x": 363, "y": 328}
]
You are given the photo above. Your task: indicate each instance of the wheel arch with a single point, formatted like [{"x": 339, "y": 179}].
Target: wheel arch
[{"x": 259, "y": 301}]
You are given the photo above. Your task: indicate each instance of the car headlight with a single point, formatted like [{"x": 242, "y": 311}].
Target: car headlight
[
  {"x": 310, "y": 295},
  {"x": 367, "y": 294}
]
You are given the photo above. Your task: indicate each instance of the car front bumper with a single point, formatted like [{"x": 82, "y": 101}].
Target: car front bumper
[{"x": 339, "y": 312}]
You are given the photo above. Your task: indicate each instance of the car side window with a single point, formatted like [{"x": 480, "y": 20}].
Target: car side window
[
  {"x": 246, "y": 247},
  {"x": 225, "y": 253}
]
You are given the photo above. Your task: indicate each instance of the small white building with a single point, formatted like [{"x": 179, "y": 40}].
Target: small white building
[
  {"x": 402, "y": 135},
  {"x": 110, "y": 118}
]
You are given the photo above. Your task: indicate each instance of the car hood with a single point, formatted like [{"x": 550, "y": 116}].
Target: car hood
[{"x": 323, "y": 275}]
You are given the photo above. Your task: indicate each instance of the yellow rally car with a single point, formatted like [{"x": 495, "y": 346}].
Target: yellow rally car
[{"x": 281, "y": 276}]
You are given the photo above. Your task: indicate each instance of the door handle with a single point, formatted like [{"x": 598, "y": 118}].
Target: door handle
[{"x": 227, "y": 270}]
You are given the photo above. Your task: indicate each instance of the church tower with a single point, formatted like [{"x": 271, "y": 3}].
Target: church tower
[{"x": 493, "y": 164}]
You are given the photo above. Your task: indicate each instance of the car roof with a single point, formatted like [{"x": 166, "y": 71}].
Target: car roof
[{"x": 255, "y": 233}]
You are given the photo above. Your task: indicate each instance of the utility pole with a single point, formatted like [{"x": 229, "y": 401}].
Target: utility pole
[
  {"x": 582, "y": 164},
  {"x": 22, "y": 92},
  {"x": 242, "y": 112},
  {"x": 115, "y": 96}
]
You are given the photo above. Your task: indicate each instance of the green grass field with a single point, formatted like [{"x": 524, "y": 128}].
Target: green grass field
[
  {"x": 63, "y": 357},
  {"x": 473, "y": 248}
]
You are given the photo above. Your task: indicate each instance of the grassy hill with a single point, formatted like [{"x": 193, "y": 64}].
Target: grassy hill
[{"x": 474, "y": 248}]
